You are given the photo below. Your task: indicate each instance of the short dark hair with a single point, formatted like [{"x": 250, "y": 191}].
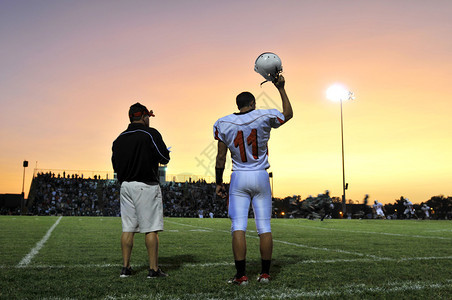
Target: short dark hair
[
  {"x": 136, "y": 111},
  {"x": 244, "y": 99}
]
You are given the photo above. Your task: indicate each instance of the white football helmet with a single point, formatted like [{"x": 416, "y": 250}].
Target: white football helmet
[{"x": 268, "y": 65}]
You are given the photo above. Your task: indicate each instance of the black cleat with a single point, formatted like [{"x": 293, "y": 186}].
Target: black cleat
[
  {"x": 126, "y": 272},
  {"x": 155, "y": 274}
]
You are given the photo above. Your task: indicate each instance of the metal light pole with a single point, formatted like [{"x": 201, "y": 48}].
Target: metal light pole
[
  {"x": 343, "y": 165},
  {"x": 339, "y": 93},
  {"x": 22, "y": 201},
  {"x": 25, "y": 164}
]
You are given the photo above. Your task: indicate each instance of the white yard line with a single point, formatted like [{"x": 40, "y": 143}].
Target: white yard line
[
  {"x": 291, "y": 293},
  {"x": 369, "y": 232},
  {"x": 328, "y": 249},
  {"x": 27, "y": 259},
  {"x": 188, "y": 225},
  {"x": 289, "y": 243},
  {"x": 221, "y": 264},
  {"x": 350, "y": 290},
  {"x": 397, "y": 260}
]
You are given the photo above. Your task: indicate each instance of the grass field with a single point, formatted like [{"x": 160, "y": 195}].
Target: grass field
[{"x": 80, "y": 258}]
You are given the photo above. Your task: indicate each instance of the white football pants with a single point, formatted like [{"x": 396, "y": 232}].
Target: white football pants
[{"x": 246, "y": 187}]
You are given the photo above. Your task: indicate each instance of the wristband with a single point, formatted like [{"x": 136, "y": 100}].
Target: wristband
[{"x": 219, "y": 175}]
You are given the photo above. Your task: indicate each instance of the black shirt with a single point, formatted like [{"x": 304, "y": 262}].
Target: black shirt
[{"x": 137, "y": 153}]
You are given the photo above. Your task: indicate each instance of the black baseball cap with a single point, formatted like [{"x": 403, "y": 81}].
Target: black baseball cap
[{"x": 137, "y": 110}]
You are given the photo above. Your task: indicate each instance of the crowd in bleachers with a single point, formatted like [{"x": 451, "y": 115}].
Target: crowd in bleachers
[
  {"x": 75, "y": 196},
  {"x": 110, "y": 199},
  {"x": 71, "y": 196},
  {"x": 196, "y": 199}
]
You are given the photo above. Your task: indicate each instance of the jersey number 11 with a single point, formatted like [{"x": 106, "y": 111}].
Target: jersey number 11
[{"x": 251, "y": 140}]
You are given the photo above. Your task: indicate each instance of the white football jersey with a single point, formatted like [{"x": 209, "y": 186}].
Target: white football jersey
[
  {"x": 377, "y": 205},
  {"x": 246, "y": 135}
]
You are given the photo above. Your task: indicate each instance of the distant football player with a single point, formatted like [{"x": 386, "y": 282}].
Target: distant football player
[
  {"x": 426, "y": 209},
  {"x": 246, "y": 134},
  {"x": 329, "y": 208},
  {"x": 378, "y": 210},
  {"x": 327, "y": 204},
  {"x": 409, "y": 209}
]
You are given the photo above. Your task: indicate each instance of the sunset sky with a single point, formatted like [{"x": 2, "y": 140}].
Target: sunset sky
[{"x": 71, "y": 69}]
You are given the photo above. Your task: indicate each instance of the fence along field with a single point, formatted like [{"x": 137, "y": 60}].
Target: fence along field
[{"x": 79, "y": 257}]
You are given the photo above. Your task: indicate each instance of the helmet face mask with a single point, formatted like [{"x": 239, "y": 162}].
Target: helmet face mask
[{"x": 269, "y": 65}]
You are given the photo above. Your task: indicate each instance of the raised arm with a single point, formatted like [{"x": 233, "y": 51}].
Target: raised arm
[{"x": 287, "y": 107}]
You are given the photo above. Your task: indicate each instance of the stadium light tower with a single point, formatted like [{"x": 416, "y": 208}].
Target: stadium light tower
[
  {"x": 22, "y": 200},
  {"x": 339, "y": 93},
  {"x": 25, "y": 164}
]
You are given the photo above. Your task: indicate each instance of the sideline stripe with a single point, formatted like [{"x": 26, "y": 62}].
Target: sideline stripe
[
  {"x": 27, "y": 259},
  {"x": 328, "y": 249},
  {"x": 289, "y": 243},
  {"x": 348, "y": 290},
  {"x": 398, "y": 260},
  {"x": 221, "y": 264},
  {"x": 369, "y": 232},
  {"x": 206, "y": 228}
]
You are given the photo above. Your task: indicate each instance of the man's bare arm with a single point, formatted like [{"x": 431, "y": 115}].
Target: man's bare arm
[
  {"x": 219, "y": 168},
  {"x": 221, "y": 155},
  {"x": 287, "y": 107}
]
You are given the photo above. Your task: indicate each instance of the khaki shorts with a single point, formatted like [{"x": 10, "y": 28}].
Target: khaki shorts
[{"x": 141, "y": 207}]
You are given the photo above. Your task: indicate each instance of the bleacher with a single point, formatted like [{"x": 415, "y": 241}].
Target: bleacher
[{"x": 73, "y": 195}]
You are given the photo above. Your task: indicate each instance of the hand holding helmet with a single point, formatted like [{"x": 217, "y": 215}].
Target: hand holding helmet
[
  {"x": 269, "y": 65},
  {"x": 279, "y": 82}
]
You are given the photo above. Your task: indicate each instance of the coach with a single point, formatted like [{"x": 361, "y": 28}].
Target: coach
[{"x": 137, "y": 153}]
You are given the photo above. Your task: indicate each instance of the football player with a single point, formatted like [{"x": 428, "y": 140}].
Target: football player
[
  {"x": 409, "y": 209},
  {"x": 246, "y": 134},
  {"x": 378, "y": 210},
  {"x": 426, "y": 209}
]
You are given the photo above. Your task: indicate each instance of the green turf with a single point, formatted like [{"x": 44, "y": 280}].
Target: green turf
[{"x": 333, "y": 259}]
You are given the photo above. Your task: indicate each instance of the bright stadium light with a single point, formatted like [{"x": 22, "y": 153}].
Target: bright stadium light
[{"x": 338, "y": 93}]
